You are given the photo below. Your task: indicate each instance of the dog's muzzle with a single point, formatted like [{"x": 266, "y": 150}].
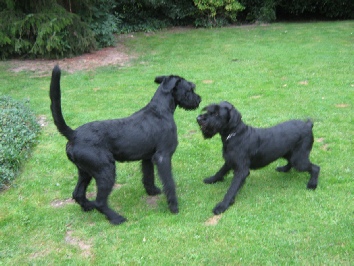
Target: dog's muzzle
[
  {"x": 194, "y": 103},
  {"x": 203, "y": 126},
  {"x": 200, "y": 121}
]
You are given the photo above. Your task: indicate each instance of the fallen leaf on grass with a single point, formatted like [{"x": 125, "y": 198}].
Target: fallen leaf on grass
[
  {"x": 207, "y": 81},
  {"x": 256, "y": 96},
  {"x": 304, "y": 82}
]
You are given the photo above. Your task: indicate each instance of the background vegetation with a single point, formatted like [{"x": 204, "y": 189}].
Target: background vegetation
[
  {"x": 64, "y": 28},
  {"x": 18, "y": 132},
  {"x": 271, "y": 73}
]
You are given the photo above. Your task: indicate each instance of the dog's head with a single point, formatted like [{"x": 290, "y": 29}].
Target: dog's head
[
  {"x": 218, "y": 118},
  {"x": 183, "y": 91}
]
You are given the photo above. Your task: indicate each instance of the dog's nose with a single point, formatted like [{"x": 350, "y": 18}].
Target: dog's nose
[{"x": 199, "y": 118}]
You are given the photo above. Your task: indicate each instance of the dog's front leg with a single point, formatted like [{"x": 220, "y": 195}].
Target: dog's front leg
[
  {"x": 219, "y": 176},
  {"x": 163, "y": 163},
  {"x": 229, "y": 198},
  {"x": 149, "y": 178}
]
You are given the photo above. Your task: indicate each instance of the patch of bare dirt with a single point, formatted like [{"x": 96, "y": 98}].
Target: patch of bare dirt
[
  {"x": 152, "y": 201},
  {"x": 342, "y": 105},
  {"x": 58, "y": 203},
  {"x": 42, "y": 120},
  {"x": 84, "y": 246},
  {"x": 213, "y": 220},
  {"x": 107, "y": 56},
  {"x": 325, "y": 146}
]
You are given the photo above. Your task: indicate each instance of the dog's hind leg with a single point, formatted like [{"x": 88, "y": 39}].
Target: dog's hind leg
[
  {"x": 79, "y": 194},
  {"x": 301, "y": 162},
  {"x": 105, "y": 179},
  {"x": 164, "y": 168},
  {"x": 314, "y": 172},
  {"x": 285, "y": 168},
  {"x": 229, "y": 198},
  {"x": 219, "y": 176},
  {"x": 149, "y": 178},
  {"x": 313, "y": 169}
]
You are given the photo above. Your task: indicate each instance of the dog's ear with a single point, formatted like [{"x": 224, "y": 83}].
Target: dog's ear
[
  {"x": 169, "y": 83},
  {"x": 159, "y": 79},
  {"x": 226, "y": 105},
  {"x": 210, "y": 108},
  {"x": 234, "y": 115}
]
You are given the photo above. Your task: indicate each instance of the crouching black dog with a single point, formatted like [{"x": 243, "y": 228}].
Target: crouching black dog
[
  {"x": 246, "y": 148},
  {"x": 149, "y": 135}
]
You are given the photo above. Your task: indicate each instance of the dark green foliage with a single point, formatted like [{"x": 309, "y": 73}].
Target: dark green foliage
[
  {"x": 330, "y": 9},
  {"x": 101, "y": 18},
  {"x": 18, "y": 131},
  {"x": 270, "y": 10},
  {"x": 258, "y": 10},
  {"x": 64, "y": 28},
  {"x": 42, "y": 30},
  {"x": 150, "y": 15}
]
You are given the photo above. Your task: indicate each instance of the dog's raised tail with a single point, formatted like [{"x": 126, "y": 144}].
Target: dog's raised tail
[{"x": 55, "y": 106}]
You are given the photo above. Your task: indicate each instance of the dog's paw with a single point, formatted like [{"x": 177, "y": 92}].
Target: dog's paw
[
  {"x": 312, "y": 186},
  {"x": 117, "y": 220},
  {"x": 88, "y": 206},
  {"x": 153, "y": 191},
  {"x": 173, "y": 208},
  {"x": 220, "y": 208},
  {"x": 212, "y": 180}
]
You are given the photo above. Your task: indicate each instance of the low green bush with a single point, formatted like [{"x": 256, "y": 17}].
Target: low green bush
[{"x": 18, "y": 132}]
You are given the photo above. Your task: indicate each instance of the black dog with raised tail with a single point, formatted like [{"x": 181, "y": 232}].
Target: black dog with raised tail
[
  {"x": 149, "y": 135},
  {"x": 246, "y": 148}
]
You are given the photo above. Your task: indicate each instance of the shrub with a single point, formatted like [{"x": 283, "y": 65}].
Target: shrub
[
  {"x": 18, "y": 132},
  {"x": 101, "y": 18},
  {"x": 258, "y": 10},
  {"x": 217, "y": 12}
]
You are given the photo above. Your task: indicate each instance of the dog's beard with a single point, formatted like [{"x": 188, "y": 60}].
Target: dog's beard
[
  {"x": 189, "y": 103},
  {"x": 189, "y": 107},
  {"x": 207, "y": 132}
]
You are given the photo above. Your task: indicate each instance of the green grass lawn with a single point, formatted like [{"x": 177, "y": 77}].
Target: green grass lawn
[{"x": 270, "y": 73}]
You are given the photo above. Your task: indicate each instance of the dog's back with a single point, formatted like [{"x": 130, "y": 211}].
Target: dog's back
[{"x": 269, "y": 144}]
